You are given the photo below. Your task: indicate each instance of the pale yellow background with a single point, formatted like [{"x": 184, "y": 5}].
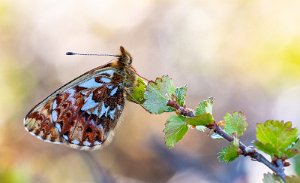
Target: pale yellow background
[{"x": 244, "y": 53}]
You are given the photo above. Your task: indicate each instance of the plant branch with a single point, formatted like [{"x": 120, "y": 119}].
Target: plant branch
[
  {"x": 245, "y": 150},
  {"x": 280, "y": 166}
]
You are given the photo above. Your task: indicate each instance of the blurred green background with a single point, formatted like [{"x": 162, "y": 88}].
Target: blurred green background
[{"x": 244, "y": 53}]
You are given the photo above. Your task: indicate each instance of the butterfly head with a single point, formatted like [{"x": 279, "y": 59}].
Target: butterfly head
[{"x": 125, "y": 56}]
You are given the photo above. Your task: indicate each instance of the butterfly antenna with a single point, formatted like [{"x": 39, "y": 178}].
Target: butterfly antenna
[{"x": 92, "y": 54}]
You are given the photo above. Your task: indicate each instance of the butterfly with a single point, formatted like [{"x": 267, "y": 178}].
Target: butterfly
[{"x": 83, "y": 113}]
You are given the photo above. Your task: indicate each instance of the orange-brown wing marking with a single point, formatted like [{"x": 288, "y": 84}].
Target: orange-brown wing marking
[
  {"x": 39, "y": 123},
  {"x": 81, "y": 114}
]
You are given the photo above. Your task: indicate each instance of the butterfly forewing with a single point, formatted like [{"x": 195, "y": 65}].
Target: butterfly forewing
[{"x": 82, "y": 113}]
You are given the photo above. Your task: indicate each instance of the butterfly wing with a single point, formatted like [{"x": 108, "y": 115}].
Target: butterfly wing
[{"x": 82, "y": 113}]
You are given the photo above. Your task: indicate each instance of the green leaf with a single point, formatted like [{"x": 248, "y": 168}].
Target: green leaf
[
  {"x": 180, "y": 94},
  {"x": 271, "y": 178},
  {"x": 276, "y": 138},
  {"x": 175, "y": 129},
  {"x": 205, "y": 107},
  {"x": 235, "y": 123},
  {"x": 204, "y": 119},
  {"x": 203, "y": 115},
  {"x": 267, "y": 148},
  {"x": 136, "y": 94},
  {"x": 157, "y": 95},
  {"x": 229, "y": 153},
  {"x": 294, "y": 149}
]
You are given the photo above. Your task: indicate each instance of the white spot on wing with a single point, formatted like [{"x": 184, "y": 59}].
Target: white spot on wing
[
  {"x": 86, "y": 143},
  {"x": 84, "y": 92},
  {"x": 58, "y": 127},
  {"x": 114, "y": 91},
  {"x": 54, "y": 116},
  {"x": 105, "y": 80},
  {"x": 89, "y": 103},
  {"x": 76, "y": 142},
  {"x": 119, "y": 107},
  {"x": 107, "y": 111},
  {"x": 54, "y": 105},
  {"x": 97, "y": 142},
  {"x": 71, "y": 91},
  {"x": 65, "y": 137},
  {"x": 109, "y": 72},
  {"x": 104, "y": 110},
  {"x": 112, "y": 114},
  {"x": 90, "y": 84},
  {"x": 95, "y": 112},
  {"x": 100, "y": 126},
  {"x": 71, "y": 98}
]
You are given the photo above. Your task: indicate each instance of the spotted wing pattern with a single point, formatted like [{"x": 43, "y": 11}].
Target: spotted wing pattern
[{"x": 81, "y": 114}]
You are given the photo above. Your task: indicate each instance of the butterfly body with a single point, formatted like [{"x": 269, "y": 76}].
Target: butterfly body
[{"x": 83, "y": 113}]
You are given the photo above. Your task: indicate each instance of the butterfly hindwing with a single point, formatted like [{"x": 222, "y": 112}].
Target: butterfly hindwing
[{"x": 82, "y": 113}]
